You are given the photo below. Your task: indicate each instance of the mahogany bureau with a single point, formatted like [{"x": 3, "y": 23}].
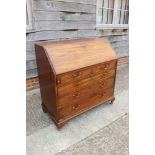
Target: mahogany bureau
[{"x": 75, "y": 76}]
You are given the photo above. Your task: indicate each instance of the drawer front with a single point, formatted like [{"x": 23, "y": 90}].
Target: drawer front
[
  {"x": 78, "y": 85},
  {"x": 87, "y": 103},
  {"x": 80, "y": 74},
  {"x": 74, "y": 76},
  {"x": 83, "y": 93},
  {"x": 106, "y": 66}
]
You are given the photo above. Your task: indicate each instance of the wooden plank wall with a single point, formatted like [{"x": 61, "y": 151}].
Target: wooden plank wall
[{"x": 68, "y": 19}]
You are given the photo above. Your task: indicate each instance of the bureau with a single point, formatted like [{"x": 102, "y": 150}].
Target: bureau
[{"x": 75, "y": 76}]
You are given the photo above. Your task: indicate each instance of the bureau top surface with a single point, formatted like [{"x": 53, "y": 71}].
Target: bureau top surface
[{"x": 70, "y": 55}]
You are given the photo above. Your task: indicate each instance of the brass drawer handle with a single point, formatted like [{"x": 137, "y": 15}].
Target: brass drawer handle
[
  {"x": 77, "y": 74},
  {"x": 105, "y": 66},
  {"x": 76, "y": 107},
  {"x": 102, "y": 94},
  {"x": 103, "y": 84},
  {"x": 91, "y": 74},
  {"x": 77, "y": 94},
  {"x": 58, "y": 81},
  {"x": 103, "y": 75}
]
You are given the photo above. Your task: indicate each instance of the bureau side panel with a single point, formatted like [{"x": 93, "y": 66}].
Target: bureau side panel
[
  {"x": 47, "y": 80},
  {"x": 115, "y": 74}
]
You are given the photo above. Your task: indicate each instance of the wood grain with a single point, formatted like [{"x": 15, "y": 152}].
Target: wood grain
[
  {"x": 63, "y": 6},
  {"x": 63, "y": 25},
  {"x": 77, "y": 94},
  {"x": 68, "y": 19},
  {"x": 64, "y": 16},
  {"x": 72, "y": 91},
  {"x": 78, "y": 53},
  {"x": 122, "y": 51},
  {"x": 89, "y": 101},
  {"x": 78, "y": 84}
]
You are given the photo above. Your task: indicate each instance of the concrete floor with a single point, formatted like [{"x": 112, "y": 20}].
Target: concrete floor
[
  {"x": 110, "y": 140},
  {"x": 43, "y": 138}
]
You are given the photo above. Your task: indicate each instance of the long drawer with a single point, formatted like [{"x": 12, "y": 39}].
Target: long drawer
[
  {"x": 86, "y": 103},
  {"x": 80, "y": 94},
  {"x": 87, "y": 72},
  {"x": 89, "y": 82}
]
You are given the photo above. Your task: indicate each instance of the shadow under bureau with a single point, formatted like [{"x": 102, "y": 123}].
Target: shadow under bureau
[{"x": 75, "y": 76}]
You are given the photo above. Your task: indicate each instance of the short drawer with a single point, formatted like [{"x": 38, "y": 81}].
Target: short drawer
[
  {"x": 86, "y": 103},
  {"x": 83, "y": 93},
  {"x": 74, "y": 76},
  {"x": 81, "y": 84}
]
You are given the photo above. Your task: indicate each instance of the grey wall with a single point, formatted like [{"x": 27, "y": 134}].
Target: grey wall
[{"x": 68, "y": 19}]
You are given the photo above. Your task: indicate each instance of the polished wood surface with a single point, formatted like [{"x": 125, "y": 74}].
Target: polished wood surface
[
  {"x": 75, "y": 76},
  {"x": 81, "y": 84},
  {"x": 75, "y": 54},
  {"x": 79, "y": 94},
  {"x": 89, "y": 101}
]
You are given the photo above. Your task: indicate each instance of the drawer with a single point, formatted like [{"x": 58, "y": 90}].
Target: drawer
[
  {"x": 83, "y": 93},
  {"x": 104, "y": 75},
  {"x": 106, "y": 66},
  {"x": 89, "y": 82},
  {"x": 86, "y": 103},
  {"x": 80, "y": 74},
  {"x": 74, "y": 76}
]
